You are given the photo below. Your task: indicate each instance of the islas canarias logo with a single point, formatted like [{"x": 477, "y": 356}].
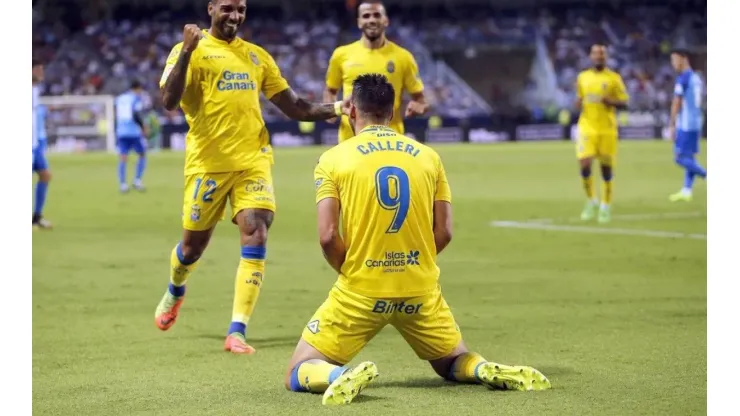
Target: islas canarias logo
[
  {"x": 235, "y": 81},
  {"x": 394, "y": 261}
]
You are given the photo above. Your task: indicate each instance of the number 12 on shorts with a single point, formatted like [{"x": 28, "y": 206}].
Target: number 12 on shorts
[
  {"x": 210, "y": 189},
  {"x": 394, "y": 194}
]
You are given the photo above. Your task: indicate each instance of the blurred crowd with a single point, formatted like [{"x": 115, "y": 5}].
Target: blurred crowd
[
  {"x": 105, "y": 56},
  {"x": 639, "y": 42}
]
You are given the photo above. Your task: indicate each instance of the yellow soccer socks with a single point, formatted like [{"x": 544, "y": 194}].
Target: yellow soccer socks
[
  {"x": 180, "y": 270},
  {"x": 465, "y": 367},
  {"x": 247, "y": 287},
  {"x": 314, "y": 376}
]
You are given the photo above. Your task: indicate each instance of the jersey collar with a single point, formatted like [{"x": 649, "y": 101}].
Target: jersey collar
[
  {"x": 375, "y": 127},
  {"x": 219, "y": 41}
]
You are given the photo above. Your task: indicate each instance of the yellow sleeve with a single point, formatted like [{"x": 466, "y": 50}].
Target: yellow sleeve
[
  {"x": 412, "y": 79},
  {"x": 620, "y": 91},
  {"x": 272, "y": 80},
  {"x": 334, "y": 72},
  {"x": 171, "y": 61},
  {"x": 443, "y": 192},
  {"x": 324, "y": 181},
  {"x": 579, "y": 91}
]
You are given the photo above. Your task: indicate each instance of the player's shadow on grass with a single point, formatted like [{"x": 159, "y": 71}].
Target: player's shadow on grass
[
  {"x": 417, "y": 383},
  {"x": 269, "y": 342}
]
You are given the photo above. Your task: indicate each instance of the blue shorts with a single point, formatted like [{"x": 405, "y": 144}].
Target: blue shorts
[
  {"x": 687, "y": 142},
  {"x": 128, "y": 143},
  {"x": 39, "y": 159}
]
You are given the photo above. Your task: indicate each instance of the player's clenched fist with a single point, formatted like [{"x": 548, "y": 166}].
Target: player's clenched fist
[{"x": 191, "y": 35}]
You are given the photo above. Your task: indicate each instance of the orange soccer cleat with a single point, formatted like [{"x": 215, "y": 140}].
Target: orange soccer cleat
[
  {"x": 166, "y": 313},
  {"x": 237, "y": 344}
]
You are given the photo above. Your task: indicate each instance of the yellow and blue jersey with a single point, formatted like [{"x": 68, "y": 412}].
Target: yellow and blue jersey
[
  {"x": 222, "y": 105},
  {"x": 386, "y": 184}
]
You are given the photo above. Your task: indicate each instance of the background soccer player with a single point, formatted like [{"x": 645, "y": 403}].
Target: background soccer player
[
  {"x": 686, "y": 123},
  {"x": 216, "y": 78},
  {"x": 40, "y": 165},
  {"x": 396, "y": 218},
  {"x": 601, "y": 92},
  {"x": 374, "y": 53},
  {"x": 131, "y": 133}
]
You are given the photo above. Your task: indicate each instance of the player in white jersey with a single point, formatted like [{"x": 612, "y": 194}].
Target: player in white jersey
[{"x": 40, "y": 165}]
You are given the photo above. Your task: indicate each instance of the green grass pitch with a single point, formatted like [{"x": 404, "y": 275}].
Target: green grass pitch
[{"x": 616, "y": 320}]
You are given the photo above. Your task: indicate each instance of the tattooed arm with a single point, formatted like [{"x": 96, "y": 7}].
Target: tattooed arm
[{"x": 299, "y": 109}]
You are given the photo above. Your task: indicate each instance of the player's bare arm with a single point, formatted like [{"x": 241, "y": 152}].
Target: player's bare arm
[
  {"x": 297, "y": 108},
  {"x": 330, "y": 96},
  {"x": 331, "y": 241},
  {"x": 579, "y": 97},
  {"x": 175, "y": 84},
  {"x": 418, "y": 105},
  {"x": 442, "y": 224},
  {"x": 613, "y": 102}
]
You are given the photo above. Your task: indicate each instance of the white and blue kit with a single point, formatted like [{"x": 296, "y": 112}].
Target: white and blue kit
[
  {"x": 39, "y": 132},
  {"x": 128, "y": 132},
  {"x": 690, "y": 117}
]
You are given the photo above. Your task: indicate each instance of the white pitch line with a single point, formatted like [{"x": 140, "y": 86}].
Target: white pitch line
[
  {"x": 631, "y": 217},
  {"x": 595, "y": 230}
]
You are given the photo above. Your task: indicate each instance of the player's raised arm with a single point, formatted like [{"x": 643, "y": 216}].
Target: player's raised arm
[
  {"x": 175, "y": 74},
  {"x": 442, "y": 211}
]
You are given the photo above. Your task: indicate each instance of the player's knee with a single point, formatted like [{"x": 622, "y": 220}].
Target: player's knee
[
  {"x": 254, "y": 229},
  {"x": 586, "y": 171},
  {"x": 45, "y": 176},
  {"x": 192, "y": 249},
  {"x": 585, "y": 163},
  {"x": 607, "y": 173},
  {"x": 123, "y": 158}
]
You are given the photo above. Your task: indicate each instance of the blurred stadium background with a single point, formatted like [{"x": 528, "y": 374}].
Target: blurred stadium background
[
  {"x": 494, "y": 70},
  {"x": 615, "y": 315}
]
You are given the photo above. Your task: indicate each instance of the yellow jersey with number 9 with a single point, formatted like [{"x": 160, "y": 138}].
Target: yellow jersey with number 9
[
  {"x": 591, "y": 87},
  {"x": 386, "y": 184},
  {"x": 222, "y": 105},
  {"x": 396, "y": 63}
]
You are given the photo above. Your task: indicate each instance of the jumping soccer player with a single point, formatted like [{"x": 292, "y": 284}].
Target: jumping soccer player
[
  {"x": 131, "y": 133},
  {"x": 216, "y": 78},
  {"x": 40, "y": 165},
  {"x": 601, "y": 92},
  {"x": 374, "y": 53},
  {"x": 393, "y": 198},
  {"x": 686, "y": 123}
]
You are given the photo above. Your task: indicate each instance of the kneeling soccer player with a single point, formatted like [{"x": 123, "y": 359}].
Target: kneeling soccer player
[{"x": 394, "y": 198}]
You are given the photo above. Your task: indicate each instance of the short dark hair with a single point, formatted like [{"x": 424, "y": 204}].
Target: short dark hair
[
  {"x": 374, "y": 96},
  {"x": 683, "y": 53},
  {"x": 135, "y": 84},
  {"x": 35, "y": 62}
]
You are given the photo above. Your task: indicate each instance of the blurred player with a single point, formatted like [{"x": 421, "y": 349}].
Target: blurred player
[
  {"x": 393, "y": 198},
  {"x": 601, "y": 92},
  {"x": 217, "y": 78},
  {"x": 374, "y": 53},
  {"x": 40, "y": 165},
  {"x": 131, "y": 133},
  {"x": 686, "y": 123}
]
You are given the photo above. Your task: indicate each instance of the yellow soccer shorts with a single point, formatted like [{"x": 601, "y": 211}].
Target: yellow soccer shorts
[
  {"x": 346, "y": 322},
  {"x": 598, "y": 145},
  {"x": 206, "y": 195}
]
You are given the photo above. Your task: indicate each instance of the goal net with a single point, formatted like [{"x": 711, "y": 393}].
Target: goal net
[{"x": 80, "y": 123}]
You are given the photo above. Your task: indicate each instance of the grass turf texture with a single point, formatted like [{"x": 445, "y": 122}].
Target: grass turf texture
[{"x": 617, "y": 322}]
